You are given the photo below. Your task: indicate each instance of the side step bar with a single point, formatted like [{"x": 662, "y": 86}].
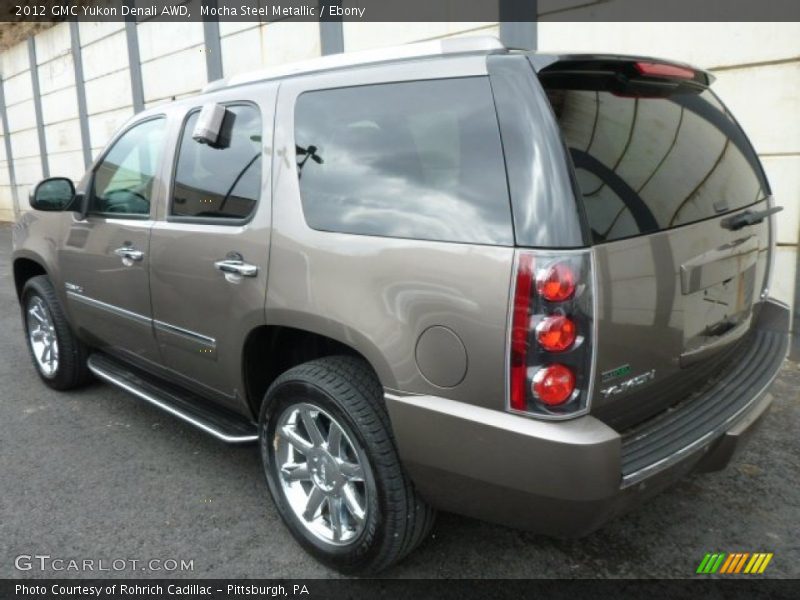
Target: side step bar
[{"x": 222, "y": 424}]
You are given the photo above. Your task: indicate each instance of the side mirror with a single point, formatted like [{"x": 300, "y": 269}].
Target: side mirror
[
  {"x": 53, "y": 194},
  {"x": 213, "y": 127},
  {"x": 81, "y": 205}
]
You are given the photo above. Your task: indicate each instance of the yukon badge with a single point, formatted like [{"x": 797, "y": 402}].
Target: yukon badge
[{"x": 629, "y": 384}]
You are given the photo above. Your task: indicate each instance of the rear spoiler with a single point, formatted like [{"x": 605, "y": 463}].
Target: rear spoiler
[{"x": 636, "y": 74}]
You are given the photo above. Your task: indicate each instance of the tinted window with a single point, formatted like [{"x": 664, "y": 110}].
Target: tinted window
[
  {"x": 648, "y": 164},
  {"x": 220, "y": 182},
  {"x": 414, "y": 160},
  {"x": 123, "y": 181}
]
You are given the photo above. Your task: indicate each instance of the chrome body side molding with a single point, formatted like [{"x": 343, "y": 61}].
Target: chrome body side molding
[{"x": 75, "y": 293}]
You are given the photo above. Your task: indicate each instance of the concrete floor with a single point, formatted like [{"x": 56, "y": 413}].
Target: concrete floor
[{"x": 95, "y": 474}]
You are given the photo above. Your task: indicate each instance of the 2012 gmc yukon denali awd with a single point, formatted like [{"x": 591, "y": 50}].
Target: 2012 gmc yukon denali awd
[{"x": 527, "y": 288}]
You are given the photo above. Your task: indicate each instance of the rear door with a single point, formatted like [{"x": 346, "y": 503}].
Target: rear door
[
  {"x": 663, "y": 171},
  {"x": 210, "y": 248}
]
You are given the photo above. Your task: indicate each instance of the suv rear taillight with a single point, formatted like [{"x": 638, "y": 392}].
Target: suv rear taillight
[
  {"x": 551, "y": 334},
  {"x": 556, "y": 333}
]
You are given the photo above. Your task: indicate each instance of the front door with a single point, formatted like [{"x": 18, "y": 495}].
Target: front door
[
  {"x": 105, "y": 258},
  {"x": 210, "y": 253}
]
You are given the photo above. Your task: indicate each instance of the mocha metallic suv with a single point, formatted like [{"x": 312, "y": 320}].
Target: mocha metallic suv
[{"x": 527, "y": 288}]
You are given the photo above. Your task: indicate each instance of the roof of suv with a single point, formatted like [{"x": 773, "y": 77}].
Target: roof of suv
[
  {"x": 434, "y": 48},
  {"x": 428, "y": 49}
]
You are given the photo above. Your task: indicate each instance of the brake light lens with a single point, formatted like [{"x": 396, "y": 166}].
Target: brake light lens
[
  {"x": 556, "y": 283},
  {"x": 556, "y": 333},
  {"x": 551, "y": 334},
  {"x": 651, "y": 69},
  {"x": 520, "y": 324},
  {"x": 553, "y": 385}
]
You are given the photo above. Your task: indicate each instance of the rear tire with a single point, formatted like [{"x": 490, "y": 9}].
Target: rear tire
[
  {"x": 353, "y": 467},
  {"x": 59, "y": 356}
]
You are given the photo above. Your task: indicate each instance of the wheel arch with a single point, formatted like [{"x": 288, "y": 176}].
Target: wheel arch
[
  {"x": 26, "y": 267},
  {"x": 270, "y": 350}
]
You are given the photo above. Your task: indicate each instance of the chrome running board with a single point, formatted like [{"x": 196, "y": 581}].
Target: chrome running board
[{"x": 224, "y": 425}]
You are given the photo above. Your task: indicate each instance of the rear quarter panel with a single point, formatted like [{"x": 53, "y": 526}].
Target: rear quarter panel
[{"x": 376, "y": 294}]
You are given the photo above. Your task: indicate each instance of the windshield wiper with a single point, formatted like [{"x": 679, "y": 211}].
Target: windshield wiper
[{"x": 748, "y": 218}]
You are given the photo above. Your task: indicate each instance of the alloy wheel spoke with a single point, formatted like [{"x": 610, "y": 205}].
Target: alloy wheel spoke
[
  {"x": 313, "y": 503},
  {"x": 352, "y": 471},
  {"x": 352, "y": 504},
  {"x": 312, "y": 428},
  {"x": 334, "y": 439},
  {"x": 45, "y": 353},
  {"x": 295, "y": 439},
  {"x": 35, "y": 312},
  {"x": 335, "y": 516},
  {"x": 295, "y": 472}
]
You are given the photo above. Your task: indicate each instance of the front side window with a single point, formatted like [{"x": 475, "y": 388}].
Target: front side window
[
  {"x": 221, "y": 181},
  {"x": 418, "y": 160},
  {"x": 123, "y": 181}
]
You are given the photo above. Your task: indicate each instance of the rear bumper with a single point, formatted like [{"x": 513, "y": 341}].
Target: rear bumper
[{"x": 568, "y": 478}]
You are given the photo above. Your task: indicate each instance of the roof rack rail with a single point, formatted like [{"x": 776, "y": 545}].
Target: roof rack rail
[{"x": 465, "y": 45}]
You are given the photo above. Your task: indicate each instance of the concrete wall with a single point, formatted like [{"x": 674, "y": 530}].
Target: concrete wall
[
  {"x": 363, "y": 36},
  {"x": 248, "y": 46},
  {"x": 172, "y": 62},
  {"x": 757, "y": 66},
  {"x": 22, "y": 132}
]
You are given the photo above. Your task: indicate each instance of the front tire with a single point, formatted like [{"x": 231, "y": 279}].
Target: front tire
[
  {"x": 332, "y": 467},
  {"x": 59, "y": 357}
]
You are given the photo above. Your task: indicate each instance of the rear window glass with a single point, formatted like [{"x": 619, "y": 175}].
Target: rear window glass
[
  {"x": 648, "y": 164},
  {"x": 415, "y": 160}
]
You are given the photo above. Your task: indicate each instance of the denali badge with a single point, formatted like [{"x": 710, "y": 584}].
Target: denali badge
[
  {"x": 614, "y": 373},
  {"x": 629, "y": 383}
]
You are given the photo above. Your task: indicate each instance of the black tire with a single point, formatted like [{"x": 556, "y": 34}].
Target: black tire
[
  {"x": 72, "y": 371},
  {"x": 397, "y": 518}
]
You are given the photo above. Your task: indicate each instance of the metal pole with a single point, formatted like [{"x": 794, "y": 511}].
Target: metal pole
[
  {"x": 9, "y": 154},
  {"x": 37, "y": 107},
  {"x": 80, "y": 90}
]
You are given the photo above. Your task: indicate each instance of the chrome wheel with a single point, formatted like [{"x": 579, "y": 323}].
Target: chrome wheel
[
  {"x": 42, "y": 337},
  {"x": 324, "y": 477}
]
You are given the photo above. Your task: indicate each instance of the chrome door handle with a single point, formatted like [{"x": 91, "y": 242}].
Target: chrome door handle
[
  {"x": 236, "y": 266},
  {"x": 129, "y": 253}
]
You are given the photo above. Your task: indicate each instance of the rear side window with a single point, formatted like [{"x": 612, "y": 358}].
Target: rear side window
[
  {"x": 646, "y": 164},
  {"x": 418, "y": 160},
  {"x": 220, "y": 182}
]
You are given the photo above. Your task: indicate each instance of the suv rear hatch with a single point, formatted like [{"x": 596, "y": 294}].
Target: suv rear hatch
[{"x": 677, "y": 206}]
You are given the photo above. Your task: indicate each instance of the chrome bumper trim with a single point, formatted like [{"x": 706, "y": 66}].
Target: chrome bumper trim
[{"x": 645, "y": 472}]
